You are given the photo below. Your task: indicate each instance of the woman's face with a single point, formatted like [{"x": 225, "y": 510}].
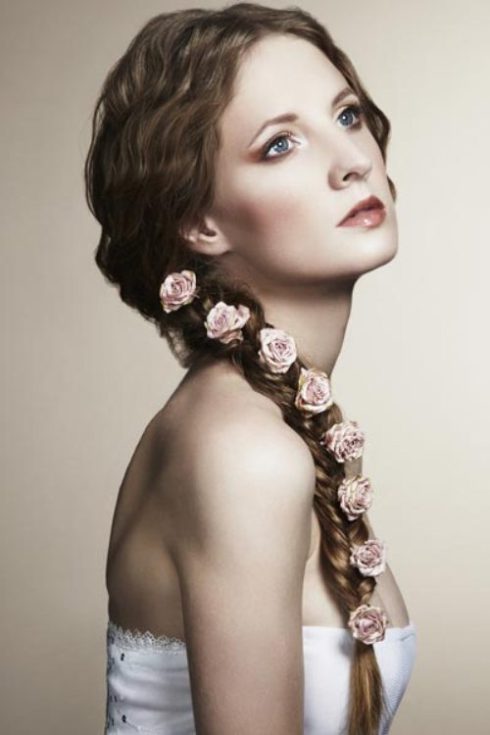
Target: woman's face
[{"x": 281, "y": 193}]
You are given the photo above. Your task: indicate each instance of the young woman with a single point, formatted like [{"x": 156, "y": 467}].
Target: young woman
[{"x": 237, "y": 169}]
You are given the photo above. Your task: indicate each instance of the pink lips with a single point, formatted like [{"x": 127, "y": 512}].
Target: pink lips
[{"x": 368, "y": 212}]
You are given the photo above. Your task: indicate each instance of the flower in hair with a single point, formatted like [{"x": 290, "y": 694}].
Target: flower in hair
[
  {"x": 314, "y": 392},
  {"x": 177, "y": 290},
  {"x": 224, "y": 322},
  {"x": 368, "y": 623},
  {"x": 355, "y": 495},
  {"x": 345, "y": 440},
  {"x": 278, "y": 349},
  {"x": 369, "y": 557}
]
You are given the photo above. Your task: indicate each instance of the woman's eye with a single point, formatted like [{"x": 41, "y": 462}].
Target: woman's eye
[
  {"x": 288, "y": 135},
  {"x": 357, "y": 109}
]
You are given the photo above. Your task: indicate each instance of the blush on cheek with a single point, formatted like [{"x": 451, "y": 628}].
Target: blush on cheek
[
  {"x": 272, "y": 237},
  {"x": 271, "y": 215},
  {"x": 275, "y": 226}
]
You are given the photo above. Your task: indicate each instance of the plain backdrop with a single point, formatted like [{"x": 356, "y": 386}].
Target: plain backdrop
[{"x": 84, "y": 374}]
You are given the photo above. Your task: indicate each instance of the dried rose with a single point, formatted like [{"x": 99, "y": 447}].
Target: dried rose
[
  {"x": 345, "y": 440},
  {"x": 355, "y": 495},
  {"x": 368, "y": 623},
  {"x": 314, "y": 392},
  {"x": 224, "y": 322},
  {"x": 278, "y": 349},
  {"x": 369, "y": 557},
  {"x": 177, "y": 290}
]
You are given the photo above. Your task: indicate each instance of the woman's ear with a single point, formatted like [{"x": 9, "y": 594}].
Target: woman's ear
[{"x": 206, "y": 238}]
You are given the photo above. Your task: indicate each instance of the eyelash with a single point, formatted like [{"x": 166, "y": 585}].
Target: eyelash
[{"x": 289, "y": 134}]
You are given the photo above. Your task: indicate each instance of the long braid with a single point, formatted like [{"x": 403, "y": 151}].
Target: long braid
[
  {"x": 150, "y": 170},
  {"x": 347, "y": 586}
]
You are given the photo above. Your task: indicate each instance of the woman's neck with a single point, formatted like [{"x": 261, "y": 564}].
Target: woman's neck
[{"x": 317, "y": 322}]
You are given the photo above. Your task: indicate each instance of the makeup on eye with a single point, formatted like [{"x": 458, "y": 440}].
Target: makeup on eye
[{"x": 288, "y": 134}]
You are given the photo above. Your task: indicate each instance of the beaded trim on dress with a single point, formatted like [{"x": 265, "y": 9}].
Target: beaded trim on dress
[{"x": 135, "y": 640}]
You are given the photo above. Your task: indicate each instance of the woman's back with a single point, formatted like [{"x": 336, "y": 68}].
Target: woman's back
[
  {"x": 145, "y": 593},
  {"x": 141, "y": 577},
  {"x": 239, "y": 541}
]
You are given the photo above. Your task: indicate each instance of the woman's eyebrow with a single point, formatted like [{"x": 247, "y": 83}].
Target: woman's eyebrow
[{"x": 292, "y": 117}]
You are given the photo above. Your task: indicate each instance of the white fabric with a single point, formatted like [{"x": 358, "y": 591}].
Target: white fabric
[{"x": 148, "y": 686}]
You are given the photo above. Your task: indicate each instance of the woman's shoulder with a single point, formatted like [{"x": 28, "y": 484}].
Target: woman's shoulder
[
  {"x": 215, "y": 408},
  {"x": 235, "y": 451},
  {"x": 212, "y": 397}
]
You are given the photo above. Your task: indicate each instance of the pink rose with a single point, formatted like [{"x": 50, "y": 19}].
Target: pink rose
[
  {"x": 314, "y": 393},
  {"x": 278, "y": 349},
  {"x": 224, "y": 322},
  {"x": 177, "y": 289},
  {"x": 368, "y": 623},
  {"x": 369, "y": 557},
  {"x": 355, "y": 495},
  {"x": 344, "y": 440}
]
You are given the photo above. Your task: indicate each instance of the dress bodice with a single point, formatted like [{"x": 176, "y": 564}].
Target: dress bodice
[{"x": 148, "y": 685}]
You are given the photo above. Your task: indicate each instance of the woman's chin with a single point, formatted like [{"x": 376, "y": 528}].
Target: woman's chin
[
  {"x": 385, "y": 254},
  {"x": 374, "y": 255}
]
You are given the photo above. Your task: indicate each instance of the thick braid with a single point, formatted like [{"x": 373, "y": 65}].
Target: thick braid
[
  {"x": 339, "y": 535},
  {"x": 150, "y": 169},
  {"x": 345, "y": 582}
]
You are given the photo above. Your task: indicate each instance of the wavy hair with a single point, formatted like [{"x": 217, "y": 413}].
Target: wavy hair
[{"x": 149, "y": 172}]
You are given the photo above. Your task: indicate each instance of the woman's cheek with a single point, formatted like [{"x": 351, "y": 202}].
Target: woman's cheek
[{"x": 269, "y": 204}]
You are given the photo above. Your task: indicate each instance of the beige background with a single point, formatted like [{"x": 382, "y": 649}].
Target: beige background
[{"x": 85, "y": 374}]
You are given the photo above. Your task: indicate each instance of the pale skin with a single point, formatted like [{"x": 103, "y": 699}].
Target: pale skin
[
  {"x": 274, "y": 221},
  {"x": 214, "y": 539}
]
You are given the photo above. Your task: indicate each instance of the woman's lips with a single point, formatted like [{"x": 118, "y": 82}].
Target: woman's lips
[{"x": 365, "y": 218}]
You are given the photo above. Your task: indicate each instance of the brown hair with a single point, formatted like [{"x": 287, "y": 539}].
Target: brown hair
[{"x": 148, "y": 173}]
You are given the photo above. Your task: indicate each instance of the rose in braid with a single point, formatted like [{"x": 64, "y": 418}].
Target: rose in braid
[
  {"x": 349, "y": 559},
  {"x": 149, "y": 173}
]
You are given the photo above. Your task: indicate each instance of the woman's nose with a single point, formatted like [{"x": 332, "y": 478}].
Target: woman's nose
[{"x": 348, "y": 162}]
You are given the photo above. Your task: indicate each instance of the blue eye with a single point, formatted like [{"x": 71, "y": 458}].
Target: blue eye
[
  {"x": 285, "y": 135},
  {"x": 357, "y": 111},
  {"x": 288, "y": 135}
]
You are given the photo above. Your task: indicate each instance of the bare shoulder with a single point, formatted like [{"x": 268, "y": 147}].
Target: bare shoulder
[
  {"x": 218, "y": 426},
  {"x": 217, "y": 407},
  {"x": 241, "y": 532}
]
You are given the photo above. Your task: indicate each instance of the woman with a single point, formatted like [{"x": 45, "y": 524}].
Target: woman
[{"x": 240, "y": 542}]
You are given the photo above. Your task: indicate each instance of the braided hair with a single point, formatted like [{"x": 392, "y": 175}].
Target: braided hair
[{"x": 148, "y": 172}]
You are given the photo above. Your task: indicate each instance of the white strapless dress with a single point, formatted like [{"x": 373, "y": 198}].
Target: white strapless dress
[{"x": 148, "y": 685}]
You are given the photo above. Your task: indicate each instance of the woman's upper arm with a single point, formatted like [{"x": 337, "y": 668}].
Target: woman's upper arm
[{"x": 245, "y": 522}]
